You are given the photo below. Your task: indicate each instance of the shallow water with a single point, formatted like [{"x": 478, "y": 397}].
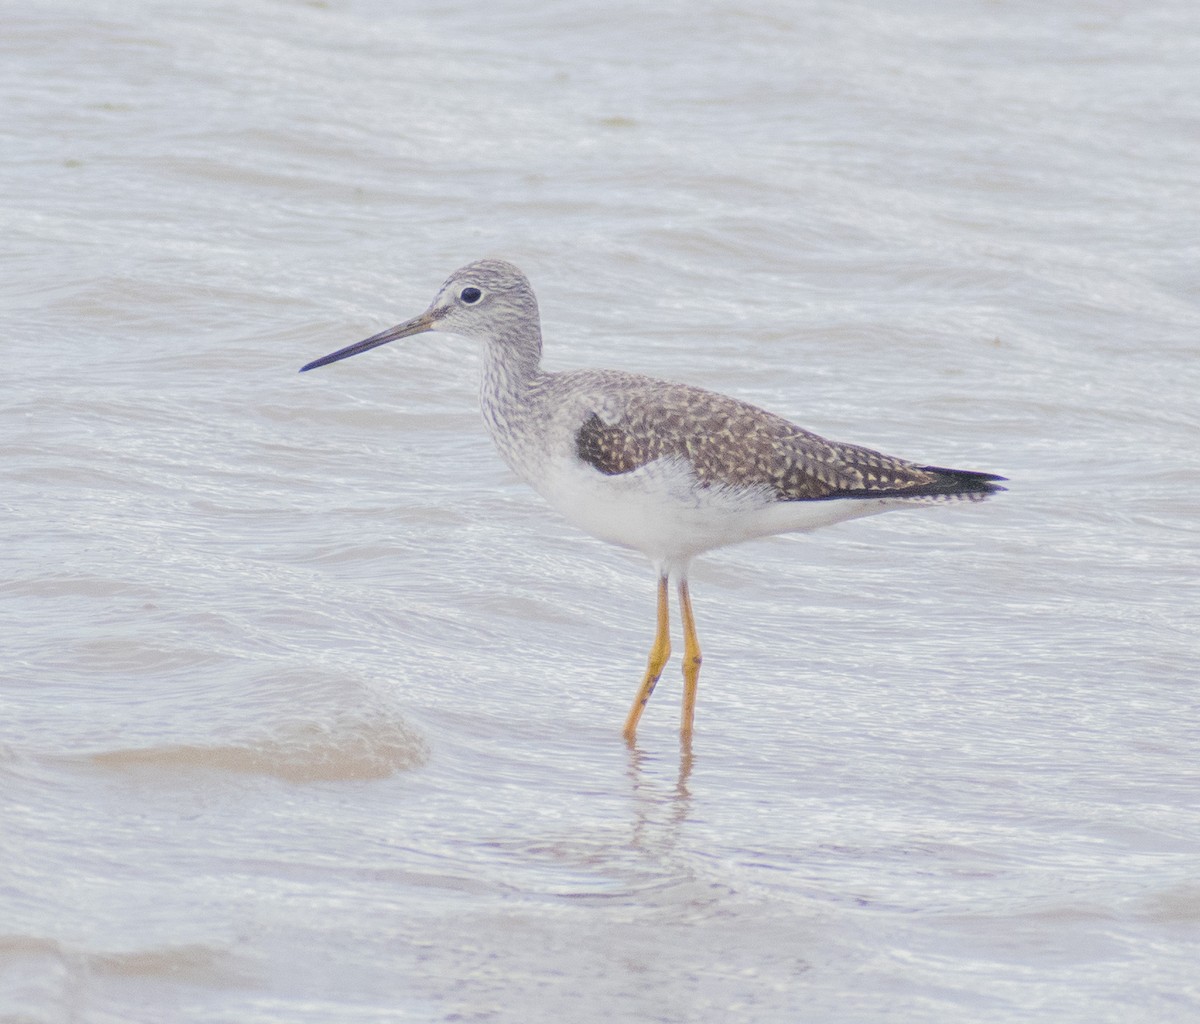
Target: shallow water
[{"x": 312, "y": 711}]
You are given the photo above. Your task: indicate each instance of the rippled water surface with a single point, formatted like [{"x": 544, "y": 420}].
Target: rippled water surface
[{"x": 311, "y": 711}]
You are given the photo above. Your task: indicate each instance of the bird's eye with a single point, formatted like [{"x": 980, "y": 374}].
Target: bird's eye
[{"x": 470, "y": 295}]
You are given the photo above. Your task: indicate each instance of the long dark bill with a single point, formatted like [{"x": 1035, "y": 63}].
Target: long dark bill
[{"x": 417, "y": 325}]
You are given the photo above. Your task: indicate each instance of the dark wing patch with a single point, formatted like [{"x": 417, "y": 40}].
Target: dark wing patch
[{"x": 610, "y": 449}]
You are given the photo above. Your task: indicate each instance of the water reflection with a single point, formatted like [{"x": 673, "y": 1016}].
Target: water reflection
[{"x": 652, "y": 833}]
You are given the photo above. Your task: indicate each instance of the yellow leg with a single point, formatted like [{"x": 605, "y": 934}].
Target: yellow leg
[
  {"x": 691, "y": 664},
  {"x": 659, "y": 654}
]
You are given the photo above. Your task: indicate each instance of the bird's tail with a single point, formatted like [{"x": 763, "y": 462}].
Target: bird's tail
[{"x": 958, "y": 484}]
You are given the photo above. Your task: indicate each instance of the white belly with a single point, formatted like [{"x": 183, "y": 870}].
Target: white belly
[{"x": 662, "y": 511}]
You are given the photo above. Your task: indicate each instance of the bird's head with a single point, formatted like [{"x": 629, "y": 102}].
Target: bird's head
[{"x": 489, "y": 300}]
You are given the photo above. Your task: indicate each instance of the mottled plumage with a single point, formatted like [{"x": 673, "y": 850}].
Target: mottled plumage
[
  {"x": 733, "y": 444},
  {"x": 668, "y": 469}
]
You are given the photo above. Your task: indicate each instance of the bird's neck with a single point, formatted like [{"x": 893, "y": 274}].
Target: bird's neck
[
  {"x": 511, "y": 364},
  {"x": 511, "y": 371}
]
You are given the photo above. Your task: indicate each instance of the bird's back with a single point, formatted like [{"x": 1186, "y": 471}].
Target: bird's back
[{"x": 622, "y": 422}]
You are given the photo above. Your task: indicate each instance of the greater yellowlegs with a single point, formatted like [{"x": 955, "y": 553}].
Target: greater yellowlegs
[{"x": 667, "y": 469}]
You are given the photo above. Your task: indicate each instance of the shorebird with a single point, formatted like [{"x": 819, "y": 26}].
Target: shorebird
[{"x": 667, "y": 469}]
